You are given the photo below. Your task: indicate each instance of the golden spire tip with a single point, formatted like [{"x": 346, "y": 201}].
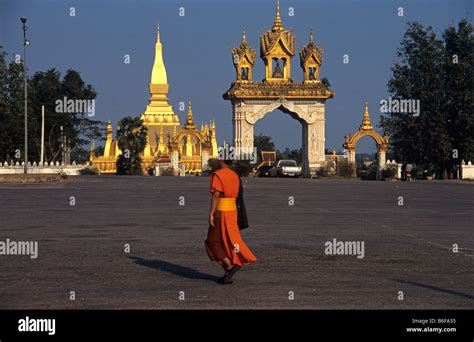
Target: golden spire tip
[{"x": 277, "y": 25}]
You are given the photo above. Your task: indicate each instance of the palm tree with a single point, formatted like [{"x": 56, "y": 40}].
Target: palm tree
[{"x": 131, "y": 139}]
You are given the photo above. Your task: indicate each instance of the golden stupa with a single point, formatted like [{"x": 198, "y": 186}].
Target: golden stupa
[{"x": 168, "y": 142}]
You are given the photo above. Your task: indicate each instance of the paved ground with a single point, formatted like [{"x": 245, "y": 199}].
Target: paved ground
[{"x": 81, "y": 248}]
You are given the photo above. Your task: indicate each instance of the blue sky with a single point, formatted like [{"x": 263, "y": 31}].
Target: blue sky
[{"x": 197, "y": 51}]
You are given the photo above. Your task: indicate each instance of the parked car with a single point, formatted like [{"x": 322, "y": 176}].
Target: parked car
[
  {"x": 264, "y": 171},
  {"x": 285, "y": 168}
]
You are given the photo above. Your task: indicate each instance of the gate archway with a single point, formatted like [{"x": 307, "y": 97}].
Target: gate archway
[
  {"x": 366, "y": 129},
  {"x": 304, "y": 101}
]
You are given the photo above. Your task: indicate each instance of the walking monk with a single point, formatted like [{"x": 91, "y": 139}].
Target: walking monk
[{"x": 224, "y": 243}]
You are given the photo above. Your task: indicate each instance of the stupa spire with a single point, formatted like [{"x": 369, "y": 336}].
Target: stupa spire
[
  {"x": 158, "y": 38},
  {"x": 277, "y": 24},
  {"x": 158, "y": 74},
  {"x": 366, "y": 123},
  {"x": 189, "y": 117}
]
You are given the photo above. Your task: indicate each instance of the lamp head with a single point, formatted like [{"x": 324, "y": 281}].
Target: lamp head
[{"x": 23, "y": 20}]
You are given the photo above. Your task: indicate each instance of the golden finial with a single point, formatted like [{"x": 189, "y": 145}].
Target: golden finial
[
  {"x": 244, "y": 36},
  {"x": 189, "y": 116},
  {"x": 311, "y": 36},
  {"x": 277, "y": 25},
  {"x": 158, "y": 32},
  {"x": 366, "y": 123}
]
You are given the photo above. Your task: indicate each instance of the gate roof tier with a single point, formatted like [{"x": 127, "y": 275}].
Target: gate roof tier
[{"x": 277, "y": 91}]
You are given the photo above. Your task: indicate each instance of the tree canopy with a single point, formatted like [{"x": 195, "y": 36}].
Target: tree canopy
[
  {"x": 437, "y": 72},
  {"x": 44, "y": 88},
  {"x": 131, "y": 139}
]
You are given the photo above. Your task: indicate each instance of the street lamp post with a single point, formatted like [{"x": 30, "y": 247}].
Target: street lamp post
[{"x": 25, "y": 43}]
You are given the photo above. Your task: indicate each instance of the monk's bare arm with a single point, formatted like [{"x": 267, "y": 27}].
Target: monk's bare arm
[{"x": 214, "y": 199}]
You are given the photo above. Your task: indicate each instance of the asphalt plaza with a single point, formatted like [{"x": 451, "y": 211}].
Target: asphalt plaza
[{"x": 82, "y": 248}]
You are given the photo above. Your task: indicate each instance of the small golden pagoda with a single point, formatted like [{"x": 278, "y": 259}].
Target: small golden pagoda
[
  {"x": 183, "y": 147},
  {"x": 311, "y": 57},
  {"x": 366, "y": 124},
  {"x": 277, "y": 46}
]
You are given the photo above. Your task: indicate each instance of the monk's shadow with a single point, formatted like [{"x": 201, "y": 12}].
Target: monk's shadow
[{"x": 178, "y": 270}]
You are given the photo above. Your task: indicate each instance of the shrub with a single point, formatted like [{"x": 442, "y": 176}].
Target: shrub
[
  {"x": 89, "y": 171},
  {"x": 326, "y": 170},
  {"x": 388, "y": 173},
  {"x": 129, "y": 166},
  {"x": 345, "y": 169}
]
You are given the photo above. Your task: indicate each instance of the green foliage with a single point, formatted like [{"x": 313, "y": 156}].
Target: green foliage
[
  {"x": 44, "y": 88},
  {"x": 263, "y": 143},
  {"x": 345, "y": 169},
  {"x": 427, "y": 72},
  {"x": 389, "y": 173},
  {"x": 11, "y": 108},
  {"x": 367, "y": 172},
  {"x": 89, "y": 171},
  {"x": 131, "y": 139},
  {"x": 129, "y": 166},
  {"x": 458, "y": 86},
  {"x": 327, "y": 170},
  {"x": 295, "y": 154}
]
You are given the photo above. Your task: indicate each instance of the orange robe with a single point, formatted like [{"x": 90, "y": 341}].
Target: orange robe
[{"x": 224, "y": 240}]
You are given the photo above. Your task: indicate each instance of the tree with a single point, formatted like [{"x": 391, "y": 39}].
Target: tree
[
  {"x": 264, "y": 143},
  {"x": 458, "y": 85},
  {"x": 78, "y": 127},
  {"x": 3, "y": 101},
  {"x": 420, "y": 76},
  {"x": 44, "y": 88},
  {"x": 296, "y": 155},
  {"x": 12, "y": 115},
  {"x": 293, "y": 154},
  {"x": 131, "y": 139}
]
